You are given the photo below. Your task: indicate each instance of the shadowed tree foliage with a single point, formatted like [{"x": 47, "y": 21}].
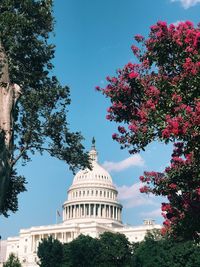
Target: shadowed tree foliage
[
  {"x": 83, "y": 251},
  {"x": 12, "y": 261},
  {"x": 50, "y": 253},
  {"x": 33, "y": 104},
  {"x": 156, "y": 252},
  {"x": 115, "y": 250}
]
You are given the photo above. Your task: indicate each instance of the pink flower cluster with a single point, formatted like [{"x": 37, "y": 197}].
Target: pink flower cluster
[{"x": 158, "y": 99}]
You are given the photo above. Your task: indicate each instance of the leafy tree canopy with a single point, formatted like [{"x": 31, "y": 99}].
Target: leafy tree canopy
[
  {"x": 115, "y": 250},
  {"x": 12, "y": 261},
  {"x": 34, "y": 118},
  {"x": 50, "y": 252},
  {"x": 84, "y": 251},
  {"x": 154, "y": 252}
]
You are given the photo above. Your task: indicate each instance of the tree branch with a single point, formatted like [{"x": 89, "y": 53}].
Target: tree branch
[{"x": 20, "y": 155}]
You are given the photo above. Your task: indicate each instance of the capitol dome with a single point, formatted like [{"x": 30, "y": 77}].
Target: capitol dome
[{"x": 92, "y": 195}]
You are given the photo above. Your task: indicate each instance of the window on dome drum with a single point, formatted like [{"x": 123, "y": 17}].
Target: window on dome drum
[
  {"x": 79, "y": 193},
  {"x": 104, "y": 193},
  {"x": 88, "y": 192},
  {"x": 83, "y": 193},
  {"x": 96, "y": 193},
  {"x": 92, "y": 192},
  {"x": 100, "y": 193}
]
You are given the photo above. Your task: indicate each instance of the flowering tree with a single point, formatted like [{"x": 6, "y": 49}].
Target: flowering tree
[{"x": 159, "y": 99}]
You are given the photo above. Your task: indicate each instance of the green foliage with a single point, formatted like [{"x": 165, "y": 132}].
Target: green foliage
[
  {"x": 50, "y": 252},
  {"x": 166, "y": 253},
  {"x": 115, "y": 250},
  {"x": 12, "y": 261},
  {"x": 16, "y": 185},
  {"x": 40, "y": 114},
  {"x": 83, "y": 251}
]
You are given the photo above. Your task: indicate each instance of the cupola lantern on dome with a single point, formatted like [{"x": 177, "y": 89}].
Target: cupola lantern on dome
[
  {"x": 93, "y": 153},
  {"x": 92, "y": 195}
]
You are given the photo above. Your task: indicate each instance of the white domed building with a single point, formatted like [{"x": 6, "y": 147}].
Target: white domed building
[
  {"x": 91, "y": 208},
  {"x": 92, "y": 197}
]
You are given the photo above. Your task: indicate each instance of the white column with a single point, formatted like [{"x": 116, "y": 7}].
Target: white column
[
  {"x": 72, "y": 211},
  {"x": 104, "y": 211},
  {"x": 32, "y": 243},
  {"x": 67, "y": 212},
  {"x": 80, "y": 210},
  {"x": 99, "y": 210}
]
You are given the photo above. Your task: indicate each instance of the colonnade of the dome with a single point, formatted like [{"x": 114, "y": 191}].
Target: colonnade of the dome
[{"x": 92, "y": 210}]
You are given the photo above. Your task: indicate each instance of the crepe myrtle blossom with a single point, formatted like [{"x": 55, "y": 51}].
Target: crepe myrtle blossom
[{"x": 159, "y": 99}]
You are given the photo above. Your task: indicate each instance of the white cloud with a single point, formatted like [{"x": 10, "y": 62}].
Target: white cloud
[
  {"x": 151, "y": 214},
  {"x": 176, "y": 23},
  {"x": 187, "y": 3},
  {"x": 131, "y": 196},
  {"x": 133, "y": 161}
]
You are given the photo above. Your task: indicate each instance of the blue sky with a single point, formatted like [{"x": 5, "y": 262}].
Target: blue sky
[{"x": 93, "y": 39}]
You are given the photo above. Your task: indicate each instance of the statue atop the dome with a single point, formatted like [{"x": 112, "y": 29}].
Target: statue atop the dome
[
  {"x": 93, "y": 143},
  {"x": 93, "y": 151}
]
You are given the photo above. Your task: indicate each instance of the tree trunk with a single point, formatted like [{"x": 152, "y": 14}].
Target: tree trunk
[{"x": 9, "y": 93}]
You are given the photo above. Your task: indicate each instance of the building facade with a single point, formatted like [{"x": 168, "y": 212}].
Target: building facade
[{"x": 92, "y": 207}]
